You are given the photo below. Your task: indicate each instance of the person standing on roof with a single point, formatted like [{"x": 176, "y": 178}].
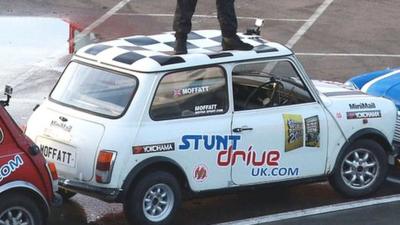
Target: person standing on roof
[{"x": 227, "y": 21}]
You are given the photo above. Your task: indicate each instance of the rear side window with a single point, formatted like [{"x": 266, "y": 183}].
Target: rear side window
[{"x": 190, "y": 93}]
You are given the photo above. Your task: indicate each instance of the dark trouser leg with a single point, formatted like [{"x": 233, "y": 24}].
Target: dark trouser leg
[
  {"x": 228, "y": 22},
  {"x": 227, "y": 17},
  {"x": 183, "y": 16}
]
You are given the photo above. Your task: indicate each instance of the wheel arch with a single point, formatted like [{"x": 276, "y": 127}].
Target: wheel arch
[
  {"x": 366, "y": 133},
  {"x": 153, "y": 164},
  {"x": 29, "y": 189}
]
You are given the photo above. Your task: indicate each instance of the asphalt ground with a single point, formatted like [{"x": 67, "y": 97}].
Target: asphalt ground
[{"x": 334, "y": 39}]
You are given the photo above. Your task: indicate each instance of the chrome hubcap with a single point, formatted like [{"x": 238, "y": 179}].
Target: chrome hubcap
[
  {"x": 359, "y": 168},
  {"x": 16, "y": 216},
  {"x": 158, "y": 202}
]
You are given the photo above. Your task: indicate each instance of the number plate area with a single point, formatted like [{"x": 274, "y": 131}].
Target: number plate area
[{"x": 57, "y": 152}]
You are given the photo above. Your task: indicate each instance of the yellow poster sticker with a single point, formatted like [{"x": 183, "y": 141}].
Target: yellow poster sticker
[{"x": 294, "y": 135}]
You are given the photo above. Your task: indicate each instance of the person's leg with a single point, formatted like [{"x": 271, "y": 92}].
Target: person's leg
[
  {"x": 183, "y": 23},
  {"x": 227, "y": 17},
  {"x": 228, "y": 23}
]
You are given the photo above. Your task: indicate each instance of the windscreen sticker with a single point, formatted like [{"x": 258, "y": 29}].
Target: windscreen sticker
[
  {"x": 364, "y": 114},
  {"x": 207, "y": 109},
  {"x": 10, "y": 167},
  {"x": 312, "y": 131},
  {"x": 190, "y": 90},
  {"x": 294, "y": 135},
  {"x": 153, "y": 148}
]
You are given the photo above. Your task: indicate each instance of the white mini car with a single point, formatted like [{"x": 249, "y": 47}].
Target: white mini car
[{"x": 129, "y": 122}]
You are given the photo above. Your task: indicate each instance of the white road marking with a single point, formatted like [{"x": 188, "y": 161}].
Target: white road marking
[
  {"x": 316, "y": 210},
  {"x": 101, "y": 19},
  {"x": 348, "y": 55},
  {"x": 48, "y": 62},
  {"x": 208, "y": 16},
  {"x": 303, "y": 29}
]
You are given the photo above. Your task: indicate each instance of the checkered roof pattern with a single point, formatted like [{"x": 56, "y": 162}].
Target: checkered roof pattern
[{"x": 155, "y": 53}]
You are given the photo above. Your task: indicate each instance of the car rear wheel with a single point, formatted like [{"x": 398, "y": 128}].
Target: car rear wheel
[
  {"x": 360, "y": 169},
  {"x": 154, "y": 199},
  {"x": 19, "y": 209}
]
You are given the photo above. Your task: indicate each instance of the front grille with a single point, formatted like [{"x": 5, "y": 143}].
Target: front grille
[{"x": 397, "y": 130}]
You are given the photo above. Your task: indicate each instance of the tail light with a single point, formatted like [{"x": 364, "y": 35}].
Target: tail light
[
  {"x": 51, "y": 167},
  {"x": 104, "y": 166},
  {"x": 53, "y": 170}
]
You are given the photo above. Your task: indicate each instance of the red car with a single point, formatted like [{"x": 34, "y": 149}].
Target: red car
[{"x": 27, "y": 181}]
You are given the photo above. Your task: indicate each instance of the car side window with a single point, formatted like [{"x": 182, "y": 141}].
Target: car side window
[
  {"x": 191, "y": 93},
  {"x": 268, "y": 84}
]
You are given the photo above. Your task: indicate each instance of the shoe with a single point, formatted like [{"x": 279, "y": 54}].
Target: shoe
[
  {"x": 180, "y": 44},
  {"x": 234, "y": 43}
]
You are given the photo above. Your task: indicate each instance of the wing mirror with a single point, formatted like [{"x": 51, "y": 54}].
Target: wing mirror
[{"x": 8, "y": 90}]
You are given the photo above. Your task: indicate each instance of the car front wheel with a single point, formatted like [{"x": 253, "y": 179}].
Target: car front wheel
[
  {"x": 361, "y": 169},
  {"x": 153, "y": 200}
]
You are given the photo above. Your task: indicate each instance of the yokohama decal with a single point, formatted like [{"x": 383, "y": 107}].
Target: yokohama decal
[
  {"x": 364, "y": 114},
  {"x": 153, "y": 148}
]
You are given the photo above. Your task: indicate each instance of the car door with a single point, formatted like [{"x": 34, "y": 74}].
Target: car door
[{"x": 281, "y": 130}]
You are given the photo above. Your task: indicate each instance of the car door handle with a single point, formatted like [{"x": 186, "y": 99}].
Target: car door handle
[{"x": 240, "y": 129}]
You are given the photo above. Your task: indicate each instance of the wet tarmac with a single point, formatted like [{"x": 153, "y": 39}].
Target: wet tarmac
[
  {"x": 38, "y": 37},
  {"x": 82, "y": 210}
]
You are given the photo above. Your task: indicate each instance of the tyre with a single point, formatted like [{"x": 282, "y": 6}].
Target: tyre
[
  {"x": 360, "y": 169},
  {"x": 65, "y": 194},
  {"x": 154, "y": 199},
  {"x": 17, "y": 208}
]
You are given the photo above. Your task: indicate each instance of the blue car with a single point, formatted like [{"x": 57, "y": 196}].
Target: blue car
[{"x": 384, "y": 83}]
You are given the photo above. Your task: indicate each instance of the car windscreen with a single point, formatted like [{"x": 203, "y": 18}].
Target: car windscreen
[{"x": 95, "y": 90}]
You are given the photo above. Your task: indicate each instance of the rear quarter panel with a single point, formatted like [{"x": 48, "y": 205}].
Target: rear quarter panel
[{"x": 16, "y": 163}]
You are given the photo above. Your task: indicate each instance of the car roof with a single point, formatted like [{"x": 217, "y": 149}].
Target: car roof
[{"x": 154, "y": 53}]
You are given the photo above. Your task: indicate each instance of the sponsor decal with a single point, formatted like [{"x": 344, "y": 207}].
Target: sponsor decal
[
  {"x": 56, "y": 154},
  {"x": 339, "y": 115},
  {"x": 63, "y": 126},
  {"x": 275, "y": 172},
  {"x": 200, "y": 173},
  {"x": 362, "y": 105},
  {"x": 190, "y": 90},
  {"x": 153, "y": 148},
  {"x": 209, "y": 142},
  {"x": 230, "y": 157},
  {"x": 1, "y": 136},
  {"x": 261, "y": 163},
  {"x": 207, "y": 109},
  {"x": 294, "y": 135},
  {"x": 10, "y": 167},
  {"x": 364, "y": 114},
  {"x": 312, "y": 131}
]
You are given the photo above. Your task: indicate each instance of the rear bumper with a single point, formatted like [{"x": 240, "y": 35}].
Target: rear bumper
[{"x": 105, "y": 194}]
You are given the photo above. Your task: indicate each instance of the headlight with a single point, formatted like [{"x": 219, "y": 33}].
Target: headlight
[{"x": 350, "y": 85}]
